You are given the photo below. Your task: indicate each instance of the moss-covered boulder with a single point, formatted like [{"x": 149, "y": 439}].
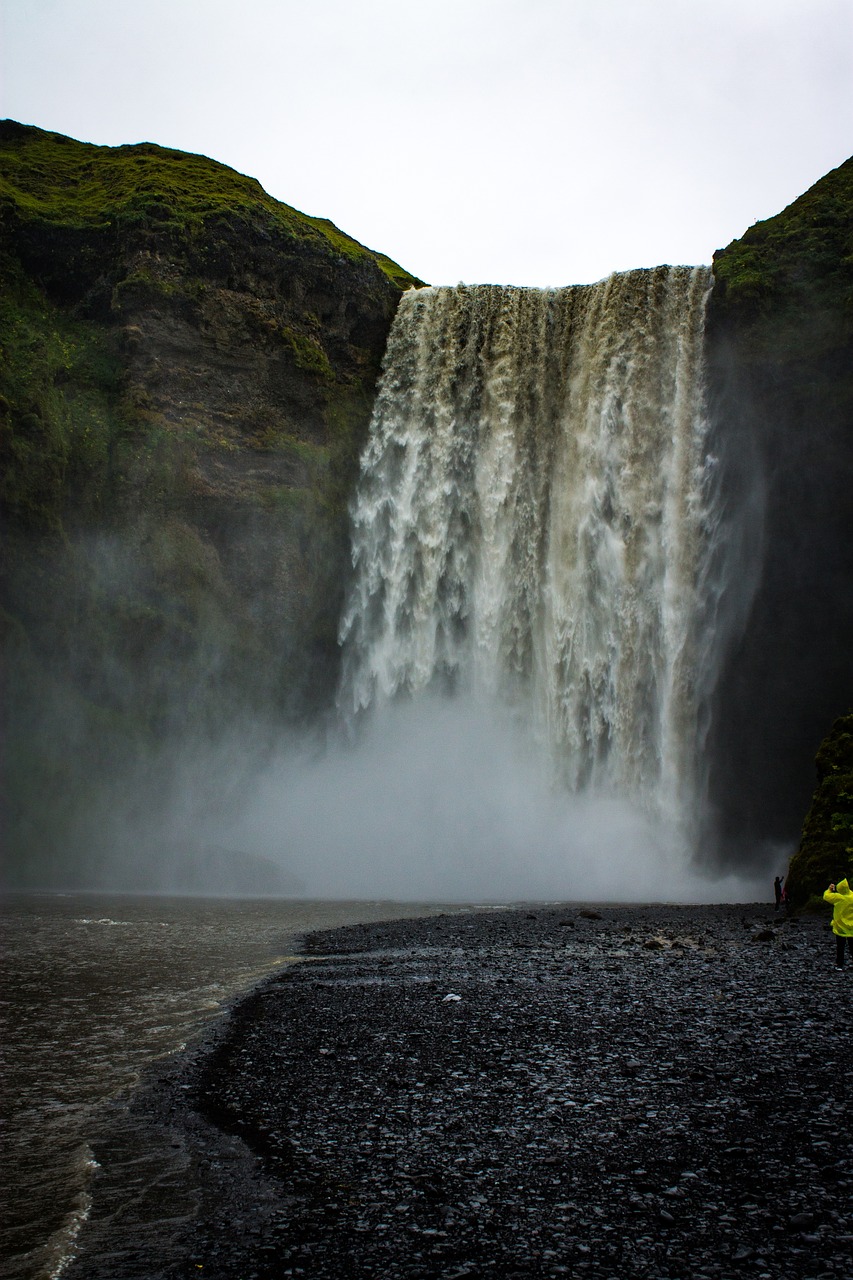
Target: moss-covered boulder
[
  {"x": 187, "y": 369},
  {"x": 780, "y": 344},
  {"x": 825, "y": 854}
]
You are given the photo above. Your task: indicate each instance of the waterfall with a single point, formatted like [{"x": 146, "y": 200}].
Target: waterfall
[{"x": 534, "y": 525}]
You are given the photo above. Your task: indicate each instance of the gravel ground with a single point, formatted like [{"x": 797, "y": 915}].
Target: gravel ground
[{"x": 618, "y": 1093}]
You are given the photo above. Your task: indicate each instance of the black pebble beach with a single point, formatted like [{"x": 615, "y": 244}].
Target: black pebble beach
[{"x": 618, "y": 1093}]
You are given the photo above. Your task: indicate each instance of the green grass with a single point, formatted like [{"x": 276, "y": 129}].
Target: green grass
[
  {"x": 46, "y": 178},
  {"x": 791, "y": 276},
  {"x": 308, "y": 353},
  {"x": 60, "y": 389},
  {"x": 826, "y": 848}
]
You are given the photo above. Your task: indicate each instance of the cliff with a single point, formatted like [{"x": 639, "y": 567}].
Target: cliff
[
  {"x": 825, "y": 854},
  {"x": 187, "y": 376},
  {"x": 187, "y": 369},
  {"x": 780, "y": 340}
]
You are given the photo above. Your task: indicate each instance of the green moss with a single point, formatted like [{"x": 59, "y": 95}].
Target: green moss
[
  {"x": 46, "y": 178},
  {"x": 285, "y": 498},
  {"x": 790, "y": 279},
  {"x": 142, "y": 285},
  {"x": 186, "y": 376},
  {"x": 308, "y": 353},
  {"x": 402, "y": 278},
  {"x": 825, "y": 853},
  {"x": 60, "y": 383}
]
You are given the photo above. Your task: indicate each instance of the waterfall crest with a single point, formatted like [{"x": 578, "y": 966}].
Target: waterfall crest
[{"x": 534, "y": 523}]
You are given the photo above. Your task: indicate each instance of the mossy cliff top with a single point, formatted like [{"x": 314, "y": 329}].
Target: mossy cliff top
[
  {"x": 48, "y": 181},
  {"x": 825, "y": 854},
  {"x": 794, "y": 270}
]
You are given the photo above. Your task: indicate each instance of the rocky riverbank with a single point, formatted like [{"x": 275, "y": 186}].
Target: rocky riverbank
[{"x": 619, "y": 1092}]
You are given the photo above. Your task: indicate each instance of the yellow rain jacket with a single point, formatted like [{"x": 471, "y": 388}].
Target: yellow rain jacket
[{"x": 842, "y": 909}]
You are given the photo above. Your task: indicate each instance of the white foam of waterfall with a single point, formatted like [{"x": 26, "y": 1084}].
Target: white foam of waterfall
[{"x": 534, "y": 525}]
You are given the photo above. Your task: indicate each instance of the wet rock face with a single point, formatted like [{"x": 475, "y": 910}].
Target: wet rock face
[
  {"x": 825, "y": 855},
  {"x": 497, "y": 1094},
  {"x": 780, "y": 373},
  {"x": 187, "y": 379},
  {"x": 220, "y": 351}
]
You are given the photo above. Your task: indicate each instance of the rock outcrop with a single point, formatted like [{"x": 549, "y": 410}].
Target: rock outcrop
[
  {"x": 781, "y": 379},
  {"x": 825, "y": 854},
  {"x": 187, "y": 376}
]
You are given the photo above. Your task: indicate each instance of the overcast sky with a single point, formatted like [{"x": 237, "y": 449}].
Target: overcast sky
[{"x": 535, "y": 142}]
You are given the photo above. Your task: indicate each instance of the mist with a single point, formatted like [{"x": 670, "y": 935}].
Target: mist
[
  {"x": 454, "y": 800},
  {"x": 553, "y": 542}
]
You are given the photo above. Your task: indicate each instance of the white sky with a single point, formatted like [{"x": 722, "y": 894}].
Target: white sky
[{"x": 532, "y": 142}]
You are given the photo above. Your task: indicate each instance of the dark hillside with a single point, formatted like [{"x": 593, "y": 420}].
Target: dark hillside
[
  {"x": 781, "y": 346},
  {"x": 825, "y": 854},
  {"x": 187, "y": 375}
]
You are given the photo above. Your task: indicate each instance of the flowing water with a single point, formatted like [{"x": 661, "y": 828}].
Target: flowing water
[
  {"x": 95, "y": 988},
  {"x": 537, "y": 524},
  {"x": 538, "y": 529}
]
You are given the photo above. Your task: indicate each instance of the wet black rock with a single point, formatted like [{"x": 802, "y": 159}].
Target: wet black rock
[{"x": 631, "y": 1113}]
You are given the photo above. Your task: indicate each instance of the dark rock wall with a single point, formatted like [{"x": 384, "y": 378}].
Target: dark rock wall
[
  {"x": 187, "y": 378},
  {"x": 781, "y": 376},
  {"x": 825, "y": 854}
]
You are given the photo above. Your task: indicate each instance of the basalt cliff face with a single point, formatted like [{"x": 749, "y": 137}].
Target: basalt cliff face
[
  {"x": 187, "y": 375},
  {"x": 780, "y": 369}
]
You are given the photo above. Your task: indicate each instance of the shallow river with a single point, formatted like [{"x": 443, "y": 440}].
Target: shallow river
[{"x": 94, "y": 989}]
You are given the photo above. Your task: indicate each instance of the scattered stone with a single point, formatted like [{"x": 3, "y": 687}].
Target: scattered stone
[{"x": 348, "y": 1120}]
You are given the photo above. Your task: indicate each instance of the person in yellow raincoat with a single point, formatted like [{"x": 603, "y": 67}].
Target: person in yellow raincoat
[{"x": 842, "y": 919}]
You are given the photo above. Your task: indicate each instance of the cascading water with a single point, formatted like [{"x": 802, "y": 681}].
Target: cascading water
[{"x": 534, "y": 525}]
